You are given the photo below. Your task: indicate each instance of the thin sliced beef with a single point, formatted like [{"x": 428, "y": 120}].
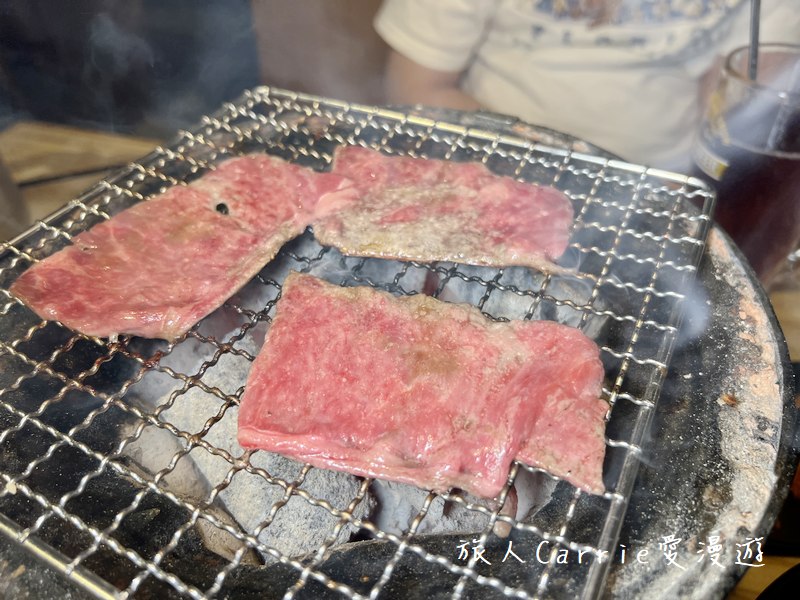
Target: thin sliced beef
[
  {"x": 421, "y": 391},
  {"x": 157, "y": 268},
  {"x": 420, "y": 209}
]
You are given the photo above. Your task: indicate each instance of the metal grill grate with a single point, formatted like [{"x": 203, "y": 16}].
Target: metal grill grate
[{"x": 118, "y": 458}]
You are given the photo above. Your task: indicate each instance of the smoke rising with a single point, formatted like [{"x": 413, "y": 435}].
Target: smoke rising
[{"x": 136, "y": 67}]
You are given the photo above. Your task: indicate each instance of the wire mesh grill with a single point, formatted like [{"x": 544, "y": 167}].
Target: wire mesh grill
[{"x": 119, "y": 460}]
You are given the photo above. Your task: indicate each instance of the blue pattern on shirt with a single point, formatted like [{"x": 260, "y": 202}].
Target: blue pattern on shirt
[{"x": 633, "y": 11}]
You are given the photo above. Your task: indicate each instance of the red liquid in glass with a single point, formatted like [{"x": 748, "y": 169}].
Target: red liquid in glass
[{"x": 758, "y": 194}]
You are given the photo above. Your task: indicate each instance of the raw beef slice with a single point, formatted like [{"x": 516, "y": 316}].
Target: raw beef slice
[
  {"x": 420, "y": 391},
  {"x": 157, "y": 268},
  {"x": 423, "y": 209}
]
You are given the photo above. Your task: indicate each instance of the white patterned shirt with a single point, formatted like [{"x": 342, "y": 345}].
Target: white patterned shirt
[{"x": 627, "y": 80}]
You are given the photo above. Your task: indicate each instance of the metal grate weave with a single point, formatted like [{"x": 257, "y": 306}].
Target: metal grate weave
[{"x": 118, "y": 459}]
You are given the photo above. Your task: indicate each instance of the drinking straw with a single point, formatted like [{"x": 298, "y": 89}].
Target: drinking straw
[
  {"x": 755, "y": 15},
  {"x": 780, "y": 125}
]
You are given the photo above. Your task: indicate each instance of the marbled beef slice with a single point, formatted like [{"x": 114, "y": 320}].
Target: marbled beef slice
[
  {"x": 420, "y": 391},
  {"x": 158, "y": 267},
  {"x": 421, "y": 209}
]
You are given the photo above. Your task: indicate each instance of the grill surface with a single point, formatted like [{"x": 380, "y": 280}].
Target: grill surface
[{"x": 78, "y": 416}]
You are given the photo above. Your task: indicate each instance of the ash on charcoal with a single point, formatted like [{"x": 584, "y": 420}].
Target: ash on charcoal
[
  {"x": 398, "y": 504},
  {"x": 206, "y": 418},
  {"x": 519, "y": 293},
  {"x": 390, "y": 275},
  {"x": 465, "y": 284},
  {"x": 306, "y": 255},
  {"x": 152, "y": 452},
  {"x": 534, "y": 490}
]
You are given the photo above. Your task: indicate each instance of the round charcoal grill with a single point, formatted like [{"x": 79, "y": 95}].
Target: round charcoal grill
[{"x": 118, "y": 461}]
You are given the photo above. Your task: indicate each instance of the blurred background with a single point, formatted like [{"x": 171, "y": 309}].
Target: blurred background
[
  {"x": 149, "y": 67},
  {"x": 90, "y": 85}
]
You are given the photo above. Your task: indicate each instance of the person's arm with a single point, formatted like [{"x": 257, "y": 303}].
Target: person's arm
[
  {"x": 709, "y": 80},
  {"x": 408, "y": 82}
]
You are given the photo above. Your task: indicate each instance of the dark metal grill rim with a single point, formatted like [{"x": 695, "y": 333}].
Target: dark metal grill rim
[{"x": 676, "y": 187}]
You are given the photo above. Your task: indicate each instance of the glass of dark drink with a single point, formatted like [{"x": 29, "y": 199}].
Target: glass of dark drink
[{"x": 748, "y": 148}]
